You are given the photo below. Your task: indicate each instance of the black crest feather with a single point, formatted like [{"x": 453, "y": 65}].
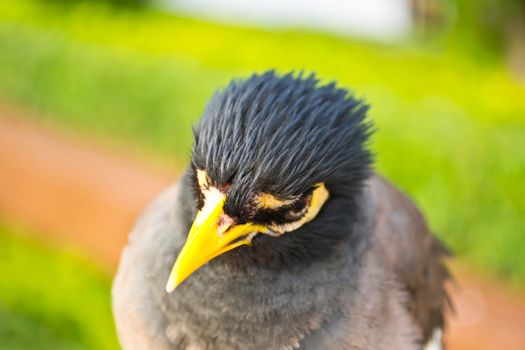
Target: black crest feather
[{"x": 281, "y": 135}]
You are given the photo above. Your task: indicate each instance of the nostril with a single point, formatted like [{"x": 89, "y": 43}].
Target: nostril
[{"x": 224, "y": 223}]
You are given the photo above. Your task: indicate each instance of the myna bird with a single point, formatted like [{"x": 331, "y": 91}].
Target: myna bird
[{"x": 280, "y": 235}]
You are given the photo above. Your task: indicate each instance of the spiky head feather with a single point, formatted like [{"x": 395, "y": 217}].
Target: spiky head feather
[{"x": 282, "y": 134}]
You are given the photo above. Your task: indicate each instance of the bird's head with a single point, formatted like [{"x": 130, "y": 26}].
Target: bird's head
[{"x": 270, "y": 154}]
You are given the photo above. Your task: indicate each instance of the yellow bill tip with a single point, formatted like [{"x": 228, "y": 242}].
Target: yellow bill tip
[{"x": 171, "y": 285}]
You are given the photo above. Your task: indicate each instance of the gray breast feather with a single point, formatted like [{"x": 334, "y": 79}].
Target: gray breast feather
[{"x": 399, "y": 295}]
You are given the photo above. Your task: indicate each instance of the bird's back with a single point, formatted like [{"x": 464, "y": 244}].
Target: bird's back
[
  {"x": 403, "y": 280},
  {"x": 402, "y": 240}
]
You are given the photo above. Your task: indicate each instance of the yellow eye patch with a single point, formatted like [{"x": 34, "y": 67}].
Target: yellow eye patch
[
  {"x": 319, "y": 197},
  {"x": 269, "y": 201}
]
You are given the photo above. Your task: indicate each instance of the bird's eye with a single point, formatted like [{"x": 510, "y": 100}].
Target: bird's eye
[
  {"x": 297, "y": 211},
  {"x": 294, "y": 214}
]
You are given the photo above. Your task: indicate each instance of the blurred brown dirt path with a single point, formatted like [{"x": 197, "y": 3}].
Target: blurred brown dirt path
[
  {"x": 72, "y": 191},
  {"x": 77, "y": 193}
]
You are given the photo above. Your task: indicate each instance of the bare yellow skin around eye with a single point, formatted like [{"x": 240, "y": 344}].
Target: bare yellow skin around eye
[
  {"x": 269, "y": 201},
  {"x": 319, "y": 197}
]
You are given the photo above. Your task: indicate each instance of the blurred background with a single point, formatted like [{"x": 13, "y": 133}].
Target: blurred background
[{"x": 97, "y": 99}]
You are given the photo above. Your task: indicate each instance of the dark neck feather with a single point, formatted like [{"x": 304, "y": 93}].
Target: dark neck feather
[{"x": 237, "y": 293}]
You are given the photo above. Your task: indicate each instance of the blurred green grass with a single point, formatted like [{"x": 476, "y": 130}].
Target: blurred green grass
[
  {"x": 450, "y": 124},
  {"x": 50, "y": 299}
]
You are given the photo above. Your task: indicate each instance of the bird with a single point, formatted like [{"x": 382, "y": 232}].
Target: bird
[{"x": 280, "y": 234}]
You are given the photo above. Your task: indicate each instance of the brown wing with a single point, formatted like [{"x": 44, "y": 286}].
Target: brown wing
[{"x": 411, "y": 252}]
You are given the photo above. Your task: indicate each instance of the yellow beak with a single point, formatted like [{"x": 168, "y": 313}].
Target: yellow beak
[{"x": 207, "y": 239}]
